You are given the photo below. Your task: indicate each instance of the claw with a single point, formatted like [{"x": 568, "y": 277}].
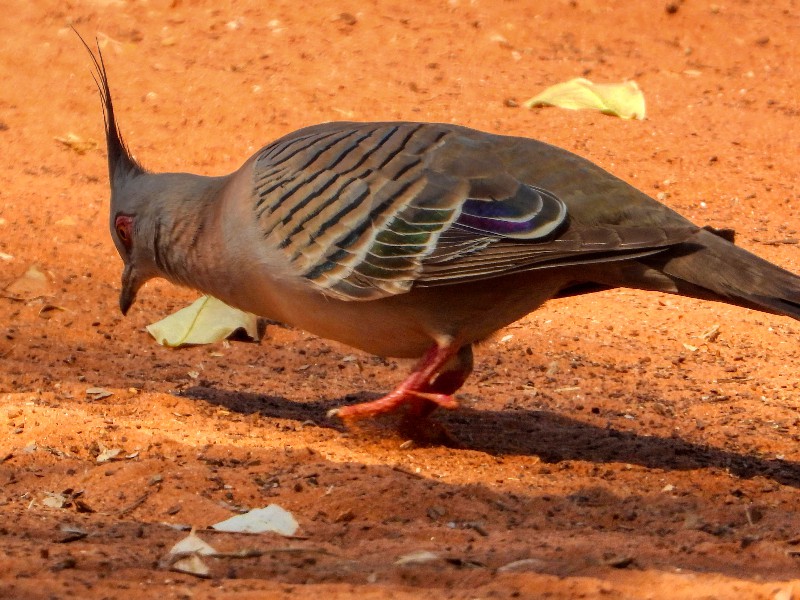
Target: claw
[{"x": 443, "y": 400}]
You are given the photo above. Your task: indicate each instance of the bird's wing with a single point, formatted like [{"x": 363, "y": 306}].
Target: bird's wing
[{"x": 364, "y": 211}]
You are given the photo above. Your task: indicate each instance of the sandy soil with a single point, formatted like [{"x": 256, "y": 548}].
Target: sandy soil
[{"x": 606, "y": 446}]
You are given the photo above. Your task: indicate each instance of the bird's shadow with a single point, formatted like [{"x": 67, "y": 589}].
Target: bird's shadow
[{"x": 549, "y": 436}]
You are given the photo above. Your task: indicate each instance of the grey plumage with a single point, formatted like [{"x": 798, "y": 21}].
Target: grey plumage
[{"x": 414, "y": 240}]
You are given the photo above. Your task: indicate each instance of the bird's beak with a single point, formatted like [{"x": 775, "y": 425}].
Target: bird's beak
[{"x": 130, "y": 285}]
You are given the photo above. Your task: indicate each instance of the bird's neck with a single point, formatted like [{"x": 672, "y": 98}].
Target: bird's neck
[{"x": 184, "y": 243}]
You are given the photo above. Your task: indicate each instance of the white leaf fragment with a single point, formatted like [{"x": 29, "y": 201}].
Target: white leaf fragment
[
  {"x": 272, "y": 518},
  {"x": 205, "y": 321}
]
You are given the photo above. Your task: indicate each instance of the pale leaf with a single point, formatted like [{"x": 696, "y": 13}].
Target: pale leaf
[
  {"x": 108, "y": 454},
  {"x": 273, "y": 518},
  {"x": 54, "y": 500},
  {"x": 416, "y": 558},
  {"x": 68, "y": 221},
  {"x": 32, "y": 284},
  {"x": 77, "y": 143},
  {"x": 191, "y": 565},
  {"x": 192, "y": 544},
  {"x": 185, "y": 556},
  {"x": 98, "y": 393},
  {"x": 205, "y": 321},
  {"x": 619, "y": 99}
]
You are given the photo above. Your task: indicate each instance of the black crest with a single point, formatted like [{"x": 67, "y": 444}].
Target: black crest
[{"x": 120, "y": 161}]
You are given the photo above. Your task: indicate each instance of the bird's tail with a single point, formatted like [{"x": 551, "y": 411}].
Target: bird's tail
[{"x": 709, "y": 266}]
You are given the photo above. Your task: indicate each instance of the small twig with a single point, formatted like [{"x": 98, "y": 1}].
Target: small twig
[
  {"x": 477, "y": 527},
  {"x": 135, "y": 504}
]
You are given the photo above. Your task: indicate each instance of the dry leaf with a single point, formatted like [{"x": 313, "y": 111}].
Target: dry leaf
[
  {"x": 77, "y": 143},
  {"x": 419, "y": 557},
  {"x": 191, "y": 565},
  {"x": 525, "y": 564},
  {"x": 70, "y": 533},
  {"x": 98, "y": 393},
  {"x": 192, "y": 543},
  {"x": 712, "y": 334},
  {"x": 623, "y": 100},
  {"x": 184, "y": 556},
  {"x": 54, "y": 500},
  {"x": 205, "y": 321},
  {"x": 68, "y": 221},
  {"x": 48, "y": 309},
  {"x": 108, "y": 454},
  {"x": 272, "y": 518},
  {"x": 34, "y": 283}
]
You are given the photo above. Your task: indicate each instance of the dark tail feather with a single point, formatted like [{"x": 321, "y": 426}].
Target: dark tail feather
[
  {"x": 118, "y": 155},
  {"x": 709, "y": 267}
]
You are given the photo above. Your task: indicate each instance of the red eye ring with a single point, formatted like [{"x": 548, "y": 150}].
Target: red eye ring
[{"x": 123, "y": 226}]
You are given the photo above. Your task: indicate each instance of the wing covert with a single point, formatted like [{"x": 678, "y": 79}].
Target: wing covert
[
  {"x": 367, "y": 210},
  {"x": 357, "y": 208}
]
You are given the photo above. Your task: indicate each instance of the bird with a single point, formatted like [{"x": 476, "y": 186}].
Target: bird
[{"x": 413, "y": 240}]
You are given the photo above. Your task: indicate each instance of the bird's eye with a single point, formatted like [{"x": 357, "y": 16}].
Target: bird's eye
[{"x": 123, "y": 225}]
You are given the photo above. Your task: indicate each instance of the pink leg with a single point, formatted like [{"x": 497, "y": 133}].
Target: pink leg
[
  {"x": 438, "y": 374},
  {"x": 448, "y": 381}
]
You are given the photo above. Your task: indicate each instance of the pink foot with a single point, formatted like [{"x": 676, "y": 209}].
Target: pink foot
[
  {"x": 392, "y": 402},
  {"x": 421, "y": 391}
]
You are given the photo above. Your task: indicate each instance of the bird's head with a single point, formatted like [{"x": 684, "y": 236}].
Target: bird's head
[
  {"x": 134, "y": 193},
  {"x": 135, "y": 230}
]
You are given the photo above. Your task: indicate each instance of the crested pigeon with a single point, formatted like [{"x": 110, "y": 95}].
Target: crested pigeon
[{"x": 414, "y": 240}]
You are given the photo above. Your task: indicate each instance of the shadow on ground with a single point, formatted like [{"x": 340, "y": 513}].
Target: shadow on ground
[{"x": 549, "y": 436}]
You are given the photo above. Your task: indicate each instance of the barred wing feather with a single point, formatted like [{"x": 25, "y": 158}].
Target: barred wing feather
[{"x": 365, "y": 211}]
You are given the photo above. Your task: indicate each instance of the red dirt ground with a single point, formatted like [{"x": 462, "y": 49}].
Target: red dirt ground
[{"x": 603, "y": 441}]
